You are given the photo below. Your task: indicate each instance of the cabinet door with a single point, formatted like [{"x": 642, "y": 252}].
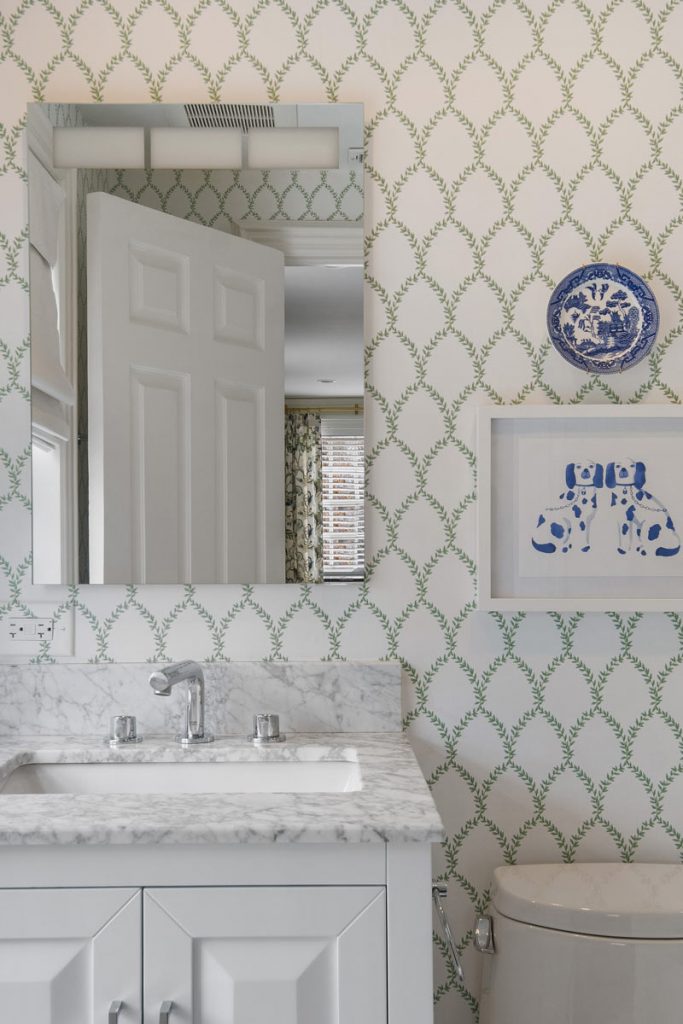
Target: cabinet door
[
  {"x": 299, "y": 955},
  {"x": 67, "y": 954}
]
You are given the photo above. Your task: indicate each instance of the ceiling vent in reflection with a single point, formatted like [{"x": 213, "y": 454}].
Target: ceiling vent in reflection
[{"x": 230, "y": 115}]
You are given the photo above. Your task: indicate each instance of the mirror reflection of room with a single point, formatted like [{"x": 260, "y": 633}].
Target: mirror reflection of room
[{"x": 197, "y": 343}]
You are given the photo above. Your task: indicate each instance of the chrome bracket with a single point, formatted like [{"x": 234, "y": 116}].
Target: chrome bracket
[
  {"x": 439, "y": 893},
  {"x": 483, "y": 934}
]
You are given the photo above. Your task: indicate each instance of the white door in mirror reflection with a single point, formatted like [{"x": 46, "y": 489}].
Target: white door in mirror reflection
[{"x": 185, "y": 400}]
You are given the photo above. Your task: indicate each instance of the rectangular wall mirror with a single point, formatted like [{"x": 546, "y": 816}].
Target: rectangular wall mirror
[{"x": 196, "y": 295}]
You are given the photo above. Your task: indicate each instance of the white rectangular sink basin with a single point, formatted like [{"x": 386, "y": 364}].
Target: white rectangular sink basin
[{"x": 185, "y": 777}]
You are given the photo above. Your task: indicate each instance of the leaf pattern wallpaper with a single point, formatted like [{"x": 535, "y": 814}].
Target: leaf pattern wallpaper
[{"x": 508, "y": 141}]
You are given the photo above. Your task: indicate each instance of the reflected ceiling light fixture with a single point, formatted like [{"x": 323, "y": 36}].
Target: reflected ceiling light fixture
[
  {"x": 98, "y": 147},
  {"x": 198, "y": 148},
  {"x": 284, "y": 148},
  {"x": 231, "y": 136}
]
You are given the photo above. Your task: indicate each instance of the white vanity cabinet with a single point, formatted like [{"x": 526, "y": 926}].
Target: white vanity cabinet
[
  {"x": 299, "y": 955},
  {"x": 288, "y": 933},
  {"x": 264, "y": 933},
  {"x": 219, "y": 955}
]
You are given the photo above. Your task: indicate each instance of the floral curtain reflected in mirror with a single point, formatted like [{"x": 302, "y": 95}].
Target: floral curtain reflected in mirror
[{"x": 303, "y": 498}]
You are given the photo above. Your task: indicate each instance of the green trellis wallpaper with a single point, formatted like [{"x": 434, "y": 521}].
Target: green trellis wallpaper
[
  {"x": 219, "y": 198},
  {"x": 507, "y": 142}
]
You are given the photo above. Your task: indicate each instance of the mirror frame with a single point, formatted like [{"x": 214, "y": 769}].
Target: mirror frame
[{"x": 40, "y": 144}]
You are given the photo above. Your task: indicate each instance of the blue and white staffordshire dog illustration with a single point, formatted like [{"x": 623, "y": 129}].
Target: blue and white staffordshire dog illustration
[
  {"x": 560, "y": 525},
  {"x": 643, "y": 523}
]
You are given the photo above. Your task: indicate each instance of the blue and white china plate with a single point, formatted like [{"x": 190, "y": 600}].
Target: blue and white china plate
[{"x": 603, "y": 318}]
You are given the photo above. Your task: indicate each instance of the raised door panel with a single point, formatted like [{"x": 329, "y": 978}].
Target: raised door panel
[
  {"x": 241, "y": 551},
  {"x": 67, "y": 954},
  {"x": 159, "y": 287},
  {"x": 183, "y": 321},
  {"x": 299, "y": 955},
  {"x": 160, "y": 482}
]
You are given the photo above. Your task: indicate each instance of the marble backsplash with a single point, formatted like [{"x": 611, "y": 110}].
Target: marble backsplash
[{"x": 309, "y": 696}]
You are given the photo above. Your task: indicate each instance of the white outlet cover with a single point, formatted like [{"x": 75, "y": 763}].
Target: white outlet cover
[{"x": 61, "y": 645}]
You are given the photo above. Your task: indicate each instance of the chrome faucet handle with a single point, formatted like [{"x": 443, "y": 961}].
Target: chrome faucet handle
[
  {"x": 114, "y": 1010},
  {"x": 267, "y": 730},
  {"x": 123, "y": 730}
]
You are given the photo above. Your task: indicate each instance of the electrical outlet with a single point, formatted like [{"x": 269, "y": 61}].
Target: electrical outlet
[
  {"x": 22, "y": 637},
  {"x": 32, "y": 630}
]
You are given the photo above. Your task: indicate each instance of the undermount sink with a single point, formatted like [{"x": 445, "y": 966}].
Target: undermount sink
[{"x": 185, "y": 777}]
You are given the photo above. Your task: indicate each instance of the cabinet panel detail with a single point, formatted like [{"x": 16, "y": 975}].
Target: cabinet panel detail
[
  {"x": 66, "y": 955},
  {"x": 299, "y": 955}
]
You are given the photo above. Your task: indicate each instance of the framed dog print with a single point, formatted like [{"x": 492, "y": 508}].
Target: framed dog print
[{"x": 581, "y": 508}]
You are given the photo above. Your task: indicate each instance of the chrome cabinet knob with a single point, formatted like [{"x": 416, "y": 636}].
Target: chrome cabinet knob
[
  {"x": 267, "y": 730},
  {"x": 114, "y": 1011},
  {"x": 165, "y": 1011},
  {"x": 123, "y": 729}
]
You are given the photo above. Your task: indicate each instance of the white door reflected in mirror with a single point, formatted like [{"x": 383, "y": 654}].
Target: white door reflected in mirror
[{"x": 186, "y": 372}]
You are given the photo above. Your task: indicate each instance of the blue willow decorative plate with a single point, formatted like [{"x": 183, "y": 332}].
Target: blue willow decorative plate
[{"x": 603, "y": 318}]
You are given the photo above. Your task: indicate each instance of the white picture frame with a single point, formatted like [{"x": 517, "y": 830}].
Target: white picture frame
[{"x": 525, "y": 454}]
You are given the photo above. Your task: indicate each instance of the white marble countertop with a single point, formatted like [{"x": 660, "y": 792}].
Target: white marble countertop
[{"x": 393, "y": 804}]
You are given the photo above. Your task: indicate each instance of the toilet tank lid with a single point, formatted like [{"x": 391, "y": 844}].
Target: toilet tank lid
[{"x": 621, "y": 900}]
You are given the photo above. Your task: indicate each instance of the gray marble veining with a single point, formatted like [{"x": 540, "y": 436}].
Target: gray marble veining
[
  {"x": 309, "y": 696},
  {"x": 393, "y": 804}
]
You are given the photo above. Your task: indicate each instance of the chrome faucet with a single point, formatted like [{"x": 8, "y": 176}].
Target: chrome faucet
[{"x": 162, "y": 682}]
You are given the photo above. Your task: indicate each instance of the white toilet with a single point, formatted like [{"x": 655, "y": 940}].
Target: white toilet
[{"x": 584, "y": 944}]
